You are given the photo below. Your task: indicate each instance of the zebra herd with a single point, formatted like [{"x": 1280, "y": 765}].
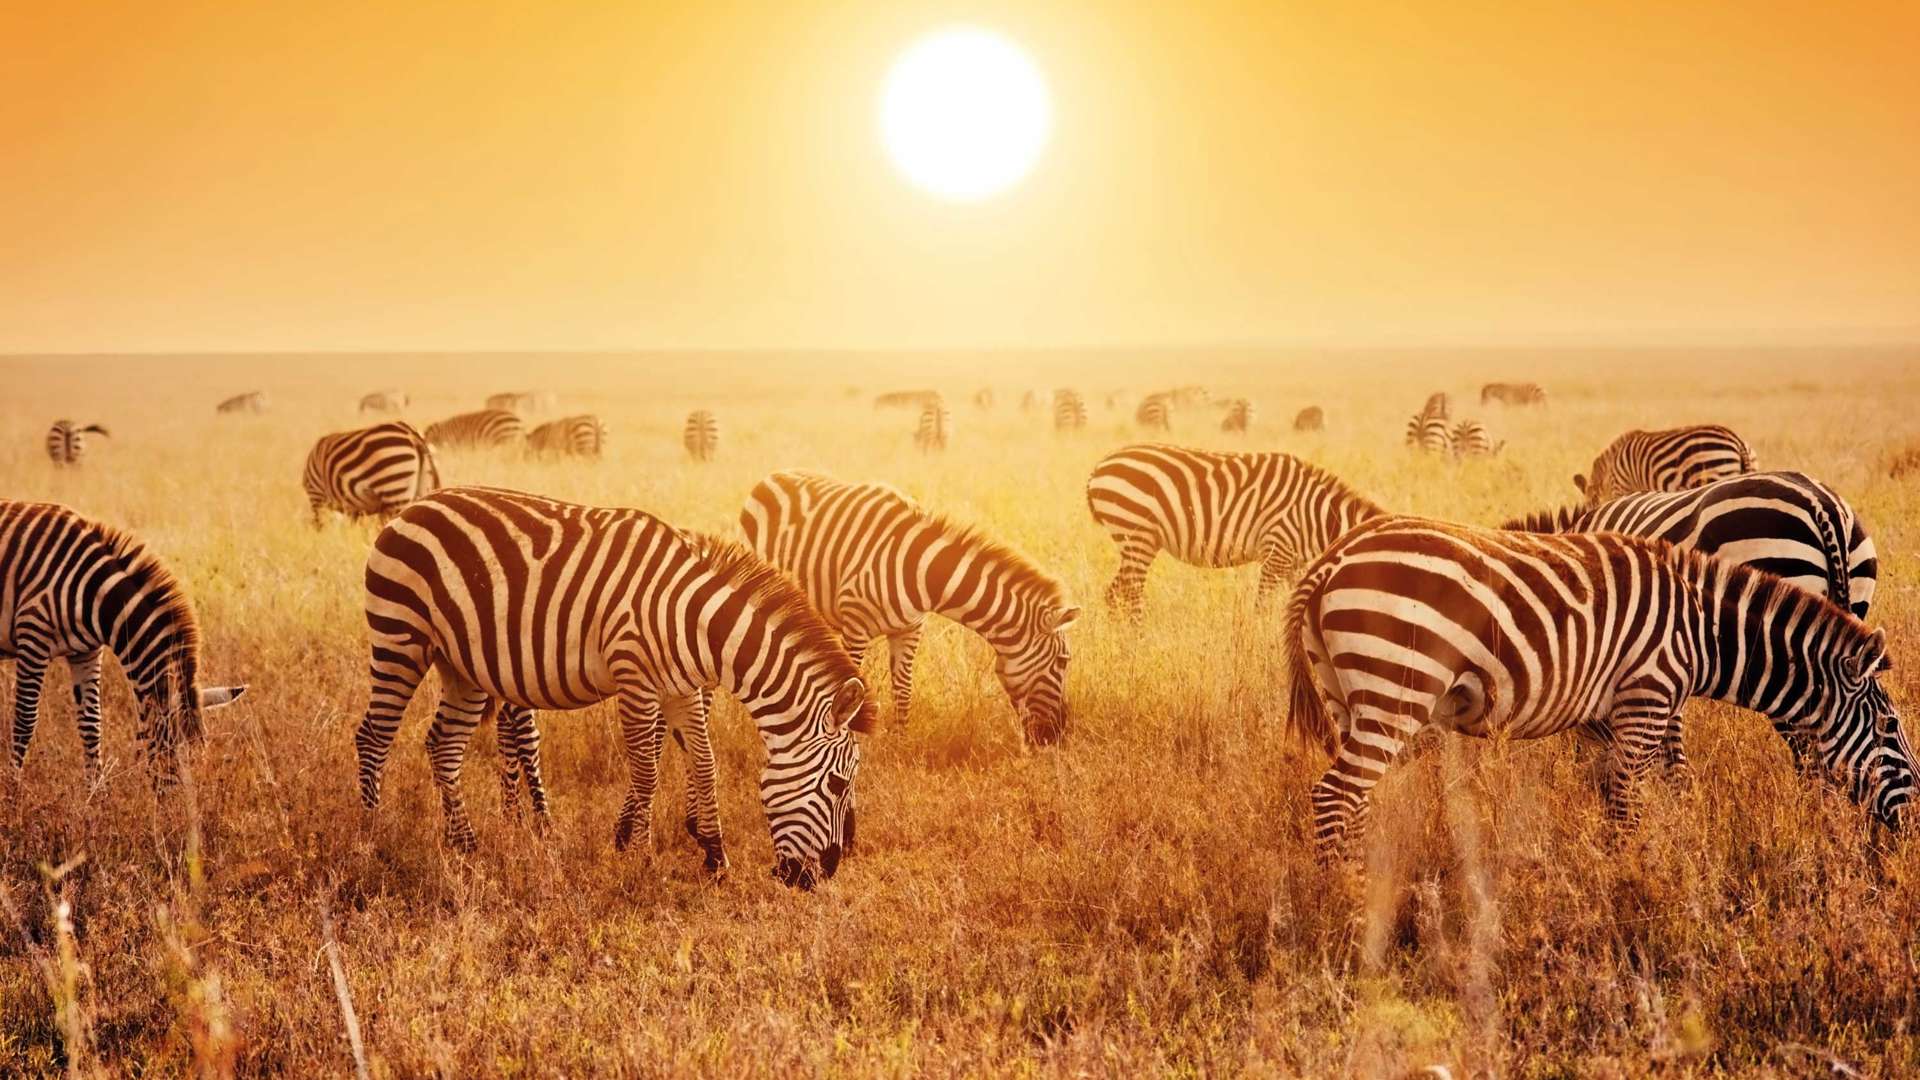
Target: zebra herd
[
  {"x": 1684, "y": 573},
  {"x": 1432, "y": 431}
]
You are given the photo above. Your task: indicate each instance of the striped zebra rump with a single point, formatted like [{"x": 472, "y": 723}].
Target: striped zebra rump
[
  {"x": 1430, "y": 435},
  {"x": 1311, "y": 418},
  {"x": 486, "y": 428},
  {"x": 72, "y": 589},
  {"x": 1069, "y": 410},
  {"x": 935, "y": 428},
  {"x": 876, "y": 565},
  {"x": 1405, "y": 623},
  {"x": 386, "y": 401},
  {"x": 1216, "y": 509},
  {"x": 573, "y": 436},
  {"x": 1155, "y": 413},
  {"x": 525, "y": 603},
  {"x": 254, "y": 402},
  {"x": 701, "y": 436},
  {"x": 1672, "y": 460},
  {"x": 1470, "y": 438},
  {"x": 67, "y": 444},
  {"x": 375, "y": 470},
  {"x": 1238, "y": 416}
]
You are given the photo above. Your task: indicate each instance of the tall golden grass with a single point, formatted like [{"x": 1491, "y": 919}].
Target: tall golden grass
[{"x": 1142, "y": 899}]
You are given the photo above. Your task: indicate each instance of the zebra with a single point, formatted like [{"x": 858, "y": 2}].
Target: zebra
[
  {"x": 1438, "y": 404},
  {"x": 1215, "y": 509},
  {"x": 906, "y": 399},
  {"x": 876, "y": 565},
  {"x": 1470, "y": 438},
  {"x": 1513, "y": 394},
  {"x": 372, "y": 471},
  {"x": 1408, "y": 623},
  {"x": 524, "y": 401},
  {"x": 1189, "y": 396},
  {"x": 1427, "y": 430},
  {"x": 67, "y": 444},
  {"x": 252, "y": 402},
  {"x": 73, "y": 589},
  {"x": 1670, "y": 460},
  {"x": 577, "y": 436},
  {"x": 387, "y": 401},
  {"x": 935, "y": 427},
  {"x": 1031, "y": 400},
  {"x": 488, "y": 427},
  {"x": 1239, "y": 415},
  {"x": 1311, "y": 418},
  {"x": 531, "y": 603},
  {"x": 1155, "y": 413},
  {"x": 1069, "y": 410},
  {"x": 701, "y": 436},
  {"x": 983, "y": 398}
]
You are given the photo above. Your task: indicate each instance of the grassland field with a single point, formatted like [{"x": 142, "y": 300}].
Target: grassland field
[{"x": 1142, "y": 899}]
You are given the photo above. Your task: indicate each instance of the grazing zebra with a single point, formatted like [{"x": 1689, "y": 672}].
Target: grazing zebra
[
  {"x": 573, "y": 436},
  {"x": 1154, "y": 413},
  {"x": 1428, "y": 430},
  {"x": 1470, "y": 438},
  {"x": 1671, "y": 460},
  {"x": 254, "y": 402},
  {"x": 1069, "y": 410},
  {"x": 1513, "y": 394},
  {"x": 67, "y": 444},
  {"x": 524, "y": 401},
  {"x": 387, "y": 401},
  {"x": 906, "y": 399},
  {"x": 1311, "y": 418},
  {"x": 1408, "y": 623},
  {"x": 983, "y": 399},
  {"x": 488, "y": 427},
  {"x": 375, "y": 470},
  {"x": 531, "y": 603},
  {"x": 876, "y": 565},
  {"x": 70, "y": 589},
  {"x": 1239, "y": 415},
  {"x": 1216, "y": 509},
  {"x": 1438, "y": 404},
  {"x": 935, "y": 427},
  {"x": 702, "y": 435}
]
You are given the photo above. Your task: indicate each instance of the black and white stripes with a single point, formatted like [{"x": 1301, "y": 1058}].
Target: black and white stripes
[
  {"x": 67, "y": 444},
  {"x": 935, "y": 428},
  {"x": 573, "y": 436},
  {"x": 1670, "y": 460},
  {"x": 486, "y": 428},
  {"x": 701, "y": 436},
  {"x": 372, "y": 471}
]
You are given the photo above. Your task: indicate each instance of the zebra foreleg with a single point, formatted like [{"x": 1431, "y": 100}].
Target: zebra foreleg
[
  {"x": 86, "y": 703},
  {"x": 901, "y": 649},
  {"x": 462, "y": 707},
  {"x": 1638, "y": 738},
  {"x": 29, "y": 673},
  {"x": 519, "y": 741},
  {"x": 641, "y": 729},
  {"x": 1126, "y": 596},
  {"x": 687, "y": 719}
]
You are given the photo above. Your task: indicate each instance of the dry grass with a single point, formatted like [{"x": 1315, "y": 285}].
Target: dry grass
[{"x": 1142, "y": 899}]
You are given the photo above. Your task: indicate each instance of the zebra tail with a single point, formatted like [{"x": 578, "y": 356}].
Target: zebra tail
[
  {"x": 1839, "y": 574},
  {"x": 95, "y": 429},
  {"x": 1307, "y": 711}
]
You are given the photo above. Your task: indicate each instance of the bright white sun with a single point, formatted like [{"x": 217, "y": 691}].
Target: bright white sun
[{"x": 964, "y": 113}]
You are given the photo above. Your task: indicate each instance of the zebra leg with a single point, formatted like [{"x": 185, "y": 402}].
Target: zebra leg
[
  {"x": 641, "y": 729},
  {"x": 1673, "y": 746},
  {"x": 29, "y": 672},
  {"x": 901, "y": 649},
  {"x": 1342, "y": 798},
  {"x": 394, "y": 673},
  {"x": 519, "y": 741},
  {"x": 86, "y": 703},
  {"x": 1277, "y": 565},
  {"x": 1126, "y": 595},
  {"x": 687, "y": 719},
  {"x": 1637, "y": 739},
  {"x": 462, "y": 707}
]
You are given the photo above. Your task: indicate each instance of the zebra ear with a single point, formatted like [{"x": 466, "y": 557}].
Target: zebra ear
[
  {"x": 213, "y": 697},
  {"x": 1871, "y": 659},
  {"x": 1580, "y": 482},
  {"x": 1061, "y": 618},
  {"x": 850, "y": 706}
]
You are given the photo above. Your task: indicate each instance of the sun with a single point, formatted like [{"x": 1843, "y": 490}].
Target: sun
[{"x": 965, "y": 113}]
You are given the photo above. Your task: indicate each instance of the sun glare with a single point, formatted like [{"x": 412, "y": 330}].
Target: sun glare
[{"x": 964, "y": 113}]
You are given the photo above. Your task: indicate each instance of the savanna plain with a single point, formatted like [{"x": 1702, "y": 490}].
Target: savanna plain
[{"x": 1143, "y": 898}]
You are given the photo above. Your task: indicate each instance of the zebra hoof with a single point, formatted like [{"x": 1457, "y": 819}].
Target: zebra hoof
[
  {"x": 622, "y": 834},
  {"x": 715, "y": 863}
]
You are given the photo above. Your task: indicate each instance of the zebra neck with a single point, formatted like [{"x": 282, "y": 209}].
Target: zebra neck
[
  {"x": 1755, "y": 641},
  {"x": 144, "y": 619},
  {"x": 964, "y": 579}
]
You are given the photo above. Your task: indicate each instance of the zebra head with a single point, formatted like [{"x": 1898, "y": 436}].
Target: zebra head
[
  {"x": 1599, "y": 484},
  {"x": 807, "y": 786},
  {"x": 1033, "y": 670},
  {"x": 1860, "y": 737},
  {"x": 170, "y": 717}
]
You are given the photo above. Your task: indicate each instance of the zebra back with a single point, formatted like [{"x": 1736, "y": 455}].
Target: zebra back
[
  {"x": 1311, "y": 418},
  {"x": 1671, "y": 460},
  {"x": 372, "y": 470},
  {"x": 580, "y": 436},
  {"x": 488, "y": 427}
]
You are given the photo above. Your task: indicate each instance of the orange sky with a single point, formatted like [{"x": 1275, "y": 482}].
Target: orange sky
[{"x": 428, "y": 175}]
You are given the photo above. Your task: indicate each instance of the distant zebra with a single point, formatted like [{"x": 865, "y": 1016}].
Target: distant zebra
[
  {"x": 1031, "y": 400},
  {"x": 387, "y": 401},
  {"x": 373, "y": 471},
  {"x": 876, "y": 565},
  {"x": 1670, "y": 460},
  {"x": 701, "y": 436},
  {"x": 1470, "y": 438},
  {"x": 935, "y": 427},
  {"x": 1069, "y": 410},
  {"x": 983, "y": 398},
  {"x": 1239, "y": 415},
  {"x": 1513, "y": 394},
  {"x": 524, "y": 401},
  {"x": 254, "y": 402},
  {"x": 71, "y": 589},
  {"x": 1189, "y": 396},
  {"x": 1408, "y": 623},
  {"x": 573, "y": 436},
  {"x": 1155, "y": 413},
  {"x": 488, "y": 427},
  {"x": 1438, "y": 404},
  {"x": 1311, "y": 418},
  {"x": 66, "y": 444},
  {"x": 906, "y": 399},
  {"x": 1216, "y": 510},
  {"x": 528, "y": 603},
  {"x": 1428, "y": 431}
]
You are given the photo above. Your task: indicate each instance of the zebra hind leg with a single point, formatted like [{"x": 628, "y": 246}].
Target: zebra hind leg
[
  {"x": 394, "y": 673},
  {"x": 1673, "y": 747},
  {"x": 519, "y": 742},
  {"x": 462, "y": 708},
  {"x": 901, "y": 649},
  {"x": 1126, "y": 596},
  {"x": 1342, "y": 798},
  {"x": 1637, "y": 740},
  {"x": 641, "y": 729},
  {"x": 690, "y": 730}
]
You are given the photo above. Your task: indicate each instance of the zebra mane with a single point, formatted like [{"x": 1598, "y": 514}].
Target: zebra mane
[
  {"x": 1023, "y": 573},
  {"x": 138, "y": 561},
  {"x": 772, "y": 591},
  {"x": 1545, "y": 521},
  {"x": 1339, "y": 485}
]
